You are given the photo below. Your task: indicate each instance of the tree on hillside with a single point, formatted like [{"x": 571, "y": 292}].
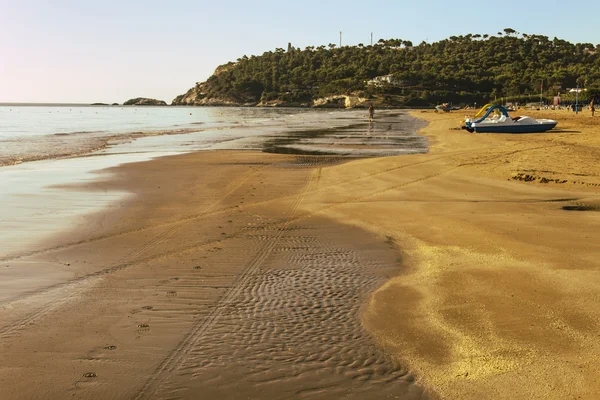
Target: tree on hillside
[{"x": 458, "y": 69}]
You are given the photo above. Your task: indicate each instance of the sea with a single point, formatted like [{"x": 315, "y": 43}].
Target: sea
[
  {"x": 29, "y": 133},
  {"x": 45, "y": 148}
]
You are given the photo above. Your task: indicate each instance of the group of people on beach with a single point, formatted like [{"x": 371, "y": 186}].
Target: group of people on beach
[
  {"x": 579, "y": 107},
  {"x": 372, "y": 109}
]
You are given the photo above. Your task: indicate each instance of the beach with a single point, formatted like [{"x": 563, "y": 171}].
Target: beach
[
  {"x": 463, "y": 268},
  {"x": 500, "y": 296}
]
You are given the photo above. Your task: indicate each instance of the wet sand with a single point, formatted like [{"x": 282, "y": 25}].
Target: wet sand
[
  {"x": 249, "y": 275},
  {"x": 213, "y": 284},
  {"x": 395, "y": 133}
]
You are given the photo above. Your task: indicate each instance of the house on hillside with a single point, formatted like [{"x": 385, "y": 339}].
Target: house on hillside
[{"x": 385, "y": 80}]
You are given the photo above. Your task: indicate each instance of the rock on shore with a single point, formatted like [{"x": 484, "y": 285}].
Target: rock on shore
[{"x": 143, "y": 101}]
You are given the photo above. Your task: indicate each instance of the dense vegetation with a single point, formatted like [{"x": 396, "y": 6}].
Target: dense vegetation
[{"x": 460, "y": 69}]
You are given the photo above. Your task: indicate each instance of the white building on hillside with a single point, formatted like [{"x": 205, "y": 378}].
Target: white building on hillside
[{"x": 385, "y": 80}]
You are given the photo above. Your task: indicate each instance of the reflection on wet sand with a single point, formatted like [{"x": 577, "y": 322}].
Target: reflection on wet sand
[{"x": 393, "y": 133}]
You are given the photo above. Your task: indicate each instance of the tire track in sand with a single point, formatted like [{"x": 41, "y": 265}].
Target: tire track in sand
[{"x": 191, "y": 338}]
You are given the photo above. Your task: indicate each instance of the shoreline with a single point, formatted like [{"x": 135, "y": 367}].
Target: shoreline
[
  {"x": 95, "y": 144},
  {"x": 90, "y": 139},
  {"x": 26, "y": 184}
]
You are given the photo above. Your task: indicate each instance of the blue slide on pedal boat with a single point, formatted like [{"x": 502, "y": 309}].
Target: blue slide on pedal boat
[{"x": 497, "y": 120}]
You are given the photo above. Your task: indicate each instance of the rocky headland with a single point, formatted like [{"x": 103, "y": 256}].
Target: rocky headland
[{"x": 392, "y": 73}]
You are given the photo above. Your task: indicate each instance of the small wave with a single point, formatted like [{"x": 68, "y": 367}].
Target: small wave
[
  {"x": 67, "y": 153},
  {"x": 76, "y": 133}
]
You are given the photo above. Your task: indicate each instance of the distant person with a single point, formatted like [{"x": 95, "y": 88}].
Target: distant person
[
  {"x": 592, "y": 109},
  {"x": 371, "y": 112}
]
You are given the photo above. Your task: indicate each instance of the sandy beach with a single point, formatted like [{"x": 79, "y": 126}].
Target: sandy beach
[
  {"x": 500, "y": 296},
  {"x": 468, "y": 272}
]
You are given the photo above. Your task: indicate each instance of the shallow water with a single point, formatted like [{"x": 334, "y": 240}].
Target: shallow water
[
  {"x": 42, "y": 148},
  {"x": 393, "y": 133},
  {"x": 42, "y": 132},
  {"x": 19, "y": 121}
]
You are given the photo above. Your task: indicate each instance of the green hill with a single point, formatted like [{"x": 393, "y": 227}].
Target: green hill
[{"x": 460, "y": 69}]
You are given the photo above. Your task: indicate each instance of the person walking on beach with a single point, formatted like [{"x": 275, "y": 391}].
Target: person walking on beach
[
  {"x": 371, "y": 112},
  {"x": 592, "y": 109}
]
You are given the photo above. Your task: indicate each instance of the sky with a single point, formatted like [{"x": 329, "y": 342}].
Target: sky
[{"x": 109, "y": 51}]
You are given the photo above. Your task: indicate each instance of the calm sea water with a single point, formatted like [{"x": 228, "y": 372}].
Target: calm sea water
[
  {"x": 19, "y": 121},
  {"x": 45, "y": 147},
  {"x": 40, "y": 132}
]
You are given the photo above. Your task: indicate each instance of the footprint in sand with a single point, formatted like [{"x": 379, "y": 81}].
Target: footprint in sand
[
  {"x": 143, "y": 328},
  {"x": 90, "y": 375}
]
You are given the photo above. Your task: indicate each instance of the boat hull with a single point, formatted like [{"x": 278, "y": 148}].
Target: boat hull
[{"x": 514, "y": 128}]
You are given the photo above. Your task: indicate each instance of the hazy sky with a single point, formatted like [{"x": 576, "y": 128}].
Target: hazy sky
[{"x": 109, "y": 51}]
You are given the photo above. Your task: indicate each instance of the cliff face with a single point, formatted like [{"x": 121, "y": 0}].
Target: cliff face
[
  {"x": 341, "y": 101},
  {"x": 190, "y": 98},
  {"x": 199, "y": 94},
  {"x": 143, "y": 101}
]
